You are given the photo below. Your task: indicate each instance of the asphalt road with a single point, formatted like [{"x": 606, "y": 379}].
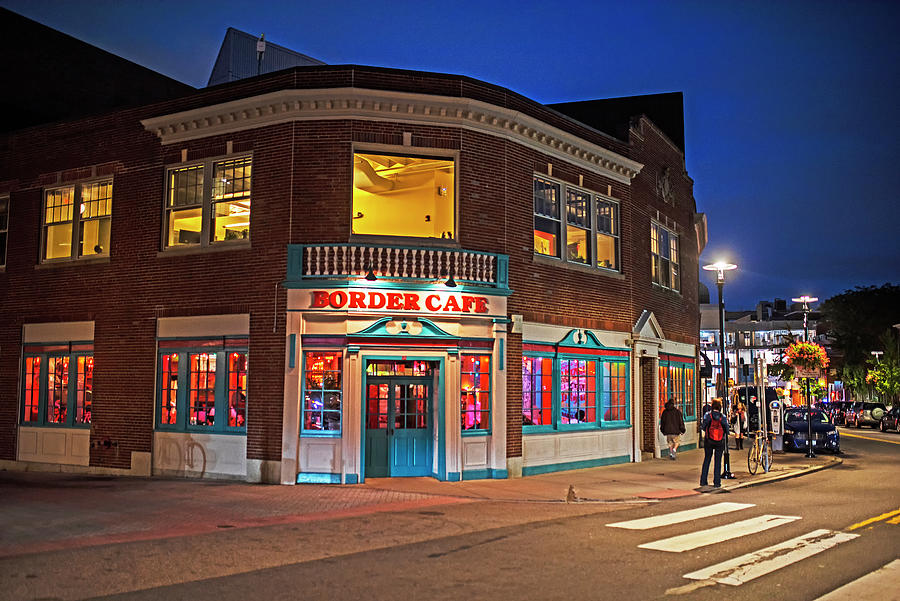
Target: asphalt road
[{"x": 488, "y": 550}]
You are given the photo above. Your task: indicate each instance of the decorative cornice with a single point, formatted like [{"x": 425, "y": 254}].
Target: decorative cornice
[{"x": 401, "y": 107}]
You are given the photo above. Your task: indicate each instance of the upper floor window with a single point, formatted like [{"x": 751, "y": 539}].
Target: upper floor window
[
  {"x": 4, "y": 227},
  {"x": 58, "y": 385},
  {"x": 591, "y": 235},
  {"x": 410, "y": 196},
  {"x": 70, "y": 234},
  {"x": 208, "y": 203},
  {"x": 664, "y": 251}
]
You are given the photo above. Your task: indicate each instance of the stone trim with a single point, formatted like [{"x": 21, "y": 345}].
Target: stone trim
[{"x": 401, "y": 107}]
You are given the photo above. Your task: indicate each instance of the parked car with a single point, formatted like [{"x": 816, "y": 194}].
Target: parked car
[
  {"x": 891, "y": 420},
  {"x": 838, "y": 412},
  {"x": 865, "y": 414},
  {"x": 825, "y": 434}
]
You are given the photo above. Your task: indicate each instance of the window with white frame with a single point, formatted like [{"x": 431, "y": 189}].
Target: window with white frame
[
  {"x": 591, "y": 233},
  {"x": 202, "y": 386},
  {"x": 58, "y": 384},
  {"x": 4, "y": 227},
  {"x": 208, "y": 203},
  {"x": 68, "y": 233},
  {"x": 664, "y": 252}
]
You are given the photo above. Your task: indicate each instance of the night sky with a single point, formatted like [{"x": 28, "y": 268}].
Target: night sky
[{"x": 791, "y": 125}]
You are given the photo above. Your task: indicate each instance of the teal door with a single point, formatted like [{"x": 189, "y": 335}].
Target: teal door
[{"x": 398, "y": 427}]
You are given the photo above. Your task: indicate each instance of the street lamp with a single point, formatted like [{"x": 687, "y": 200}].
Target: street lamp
[
  {"x": 809, "y": 436},
  {"x": 720, "y": 267}
]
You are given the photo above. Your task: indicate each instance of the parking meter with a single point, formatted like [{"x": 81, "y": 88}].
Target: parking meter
[{"x": 776, "y": 416}]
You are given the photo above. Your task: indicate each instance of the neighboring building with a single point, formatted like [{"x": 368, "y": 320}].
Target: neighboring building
[
  {"x": 330, "y": 273},
  {"x": 243, "y": 55},
  {"x": 765, "y": 332}
]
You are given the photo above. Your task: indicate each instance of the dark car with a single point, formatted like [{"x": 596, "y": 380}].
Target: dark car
[
  {"x": 838, "y": 412},
  {"x": 891, "y": 420},
  {"x": 825, "y": 434},
  {"x": 865, "y": 414}
]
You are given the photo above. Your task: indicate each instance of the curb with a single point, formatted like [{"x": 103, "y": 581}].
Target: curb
[{"x": 788, "y": 475}]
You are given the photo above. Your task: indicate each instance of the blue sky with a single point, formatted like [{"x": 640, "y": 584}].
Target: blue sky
[{"x": 791, "y": 125}]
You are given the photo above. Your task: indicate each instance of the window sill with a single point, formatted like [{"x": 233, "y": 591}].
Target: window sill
[
  {"x": 54, "y": 264},
  {"x": 180, "y": 251},
  {"x": 664, "y": 289},
  {"x": 55, "y": 426},
  {"x": 408, "y": 241},
  {"x": 615, "y": 426},
  {"x": 200, "y": 430},
  {"x": 320, "y": 434},
  {"x": 469, "y": 433},
  {"x": 556, "y": 262}
]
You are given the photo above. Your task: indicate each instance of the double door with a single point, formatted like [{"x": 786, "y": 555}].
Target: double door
[{"x": 398, "y": 426}]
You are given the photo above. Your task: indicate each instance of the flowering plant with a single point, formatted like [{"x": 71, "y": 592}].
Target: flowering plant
[{"x": 807, "y": 355}]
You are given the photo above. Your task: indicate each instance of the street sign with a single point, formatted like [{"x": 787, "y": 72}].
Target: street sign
[{"x": 801, "y": 372}]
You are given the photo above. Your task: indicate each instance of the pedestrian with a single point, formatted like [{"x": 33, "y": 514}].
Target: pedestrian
[
  {"x": 715, "y": 431},
  {"x": 739, "y": 421},
  {"x": 671, "y": 424}
]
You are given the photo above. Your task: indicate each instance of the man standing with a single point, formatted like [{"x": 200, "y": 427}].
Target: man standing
[
  {"x": 671, "y": 423},
  {"x": 715, "y": 431}
]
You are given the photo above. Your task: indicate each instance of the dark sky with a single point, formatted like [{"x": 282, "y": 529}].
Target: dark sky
[{"x": 791, "y": 107}]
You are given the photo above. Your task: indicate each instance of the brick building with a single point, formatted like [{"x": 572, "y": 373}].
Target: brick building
[{"x": 329, "y": 273}]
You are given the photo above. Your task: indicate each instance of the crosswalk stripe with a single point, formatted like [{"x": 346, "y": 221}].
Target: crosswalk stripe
[
  {"x": 758, "y": 563},
  {"x": 708, "y": 536},
  {"x": 680, "y": 516}
]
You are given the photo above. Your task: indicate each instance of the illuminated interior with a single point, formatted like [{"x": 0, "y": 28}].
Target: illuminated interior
[
  {"x": 231, "y": 198},
  {"x": 58, "y": 223},
  {"x": 184, "y": 206},
  {"x": 403, "y": 196}
]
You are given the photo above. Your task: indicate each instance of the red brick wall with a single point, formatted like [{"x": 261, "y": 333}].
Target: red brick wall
[
  {"x": 648, "y": 402},
  {"x": 302, "y": 177}
]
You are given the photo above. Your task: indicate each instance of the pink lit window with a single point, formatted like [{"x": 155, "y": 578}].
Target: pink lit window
[{"x": 475, "y": 392}]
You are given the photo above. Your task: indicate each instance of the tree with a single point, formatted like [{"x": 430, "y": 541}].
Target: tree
[
  {"x": 884, "y": 372},
  {"x": 856, "y": 319}
]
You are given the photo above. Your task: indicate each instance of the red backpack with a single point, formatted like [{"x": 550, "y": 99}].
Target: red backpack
[{"x": 714, "y": 431}]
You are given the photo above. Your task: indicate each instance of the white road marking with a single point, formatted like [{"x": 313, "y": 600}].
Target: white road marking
[
  {"x": 708, "y": 536},
  {"x": 869, "y": 587},
  {"x": 680, "y": 516},
  {"x": 742, "y": 569}
]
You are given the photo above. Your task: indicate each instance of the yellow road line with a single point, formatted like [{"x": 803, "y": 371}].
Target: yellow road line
[
  {"x": 870, "y": 438},
  {"x": 896, "y": 520},
  {"x": 878, "y": 518}
]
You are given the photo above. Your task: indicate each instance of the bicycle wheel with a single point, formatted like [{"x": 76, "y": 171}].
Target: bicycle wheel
[
  {"x": 767, "y": 456},
  {"x": 753, "y": 457}
]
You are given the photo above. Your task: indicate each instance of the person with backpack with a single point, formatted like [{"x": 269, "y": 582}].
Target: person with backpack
[
  {"x": 715, "y": 431},
  {"x": 671, "y": 424}
]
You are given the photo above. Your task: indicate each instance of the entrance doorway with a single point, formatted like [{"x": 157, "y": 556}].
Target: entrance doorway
[{"x": 398, "y": 418}]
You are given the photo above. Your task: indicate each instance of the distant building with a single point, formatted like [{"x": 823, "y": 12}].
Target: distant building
[
  {"x": 333, "y": 273},
  {"x": 764, "y": 332},
  {"x": 243, "y": 55}
]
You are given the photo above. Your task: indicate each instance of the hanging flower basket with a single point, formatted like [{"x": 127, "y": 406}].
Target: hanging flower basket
[{"x": 806, "y": 355}]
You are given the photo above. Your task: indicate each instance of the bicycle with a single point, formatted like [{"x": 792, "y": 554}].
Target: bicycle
[{"x": 760, "y": 452}]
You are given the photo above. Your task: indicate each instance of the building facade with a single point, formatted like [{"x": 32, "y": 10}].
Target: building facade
[{"x": 333, "y": 273}]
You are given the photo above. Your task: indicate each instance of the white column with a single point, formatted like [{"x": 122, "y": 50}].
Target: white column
[{"x": 290, "y": 433}]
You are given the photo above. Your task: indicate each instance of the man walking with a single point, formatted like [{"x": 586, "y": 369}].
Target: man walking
[
  {"x": 715, "y": 431},
  {"x": 671, "y": 424}
]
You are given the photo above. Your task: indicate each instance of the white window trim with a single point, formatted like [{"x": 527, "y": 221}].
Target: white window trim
[
  {"x": 5, "y": 230},
  {"x": 594, "y": 197},
  {"x": 206, "y": 204},
  {"x": 677, "y": 260},
  {"x": 76, "y": 220}
]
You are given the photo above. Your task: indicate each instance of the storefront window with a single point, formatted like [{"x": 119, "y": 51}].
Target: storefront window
[
  {"x": 323, "y": 392},
  {"x": 475, "y": 393},
  {"x": 614, "y": 392},
  {"x": 57, "y": 387},
  {"x": 198, "y": 384},
  {"x": 676, "y": 383},
  {"x": 406, "y": 196},
  {"x": 578, "y": 391},
  {"x": 537, "y": 391}
]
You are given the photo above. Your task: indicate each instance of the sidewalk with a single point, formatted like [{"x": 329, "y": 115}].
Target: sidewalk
[
  {"x": 46, "y": 511},
  {"x": 651, "y": 479}
]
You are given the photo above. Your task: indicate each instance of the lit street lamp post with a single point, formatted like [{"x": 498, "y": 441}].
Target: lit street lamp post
[
  {"x": 720, "y": 267},
  {"x": 809, "y": 435}
]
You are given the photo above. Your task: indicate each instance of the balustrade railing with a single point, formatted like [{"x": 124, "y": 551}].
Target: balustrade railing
[{"x": 345, "y": 261}]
